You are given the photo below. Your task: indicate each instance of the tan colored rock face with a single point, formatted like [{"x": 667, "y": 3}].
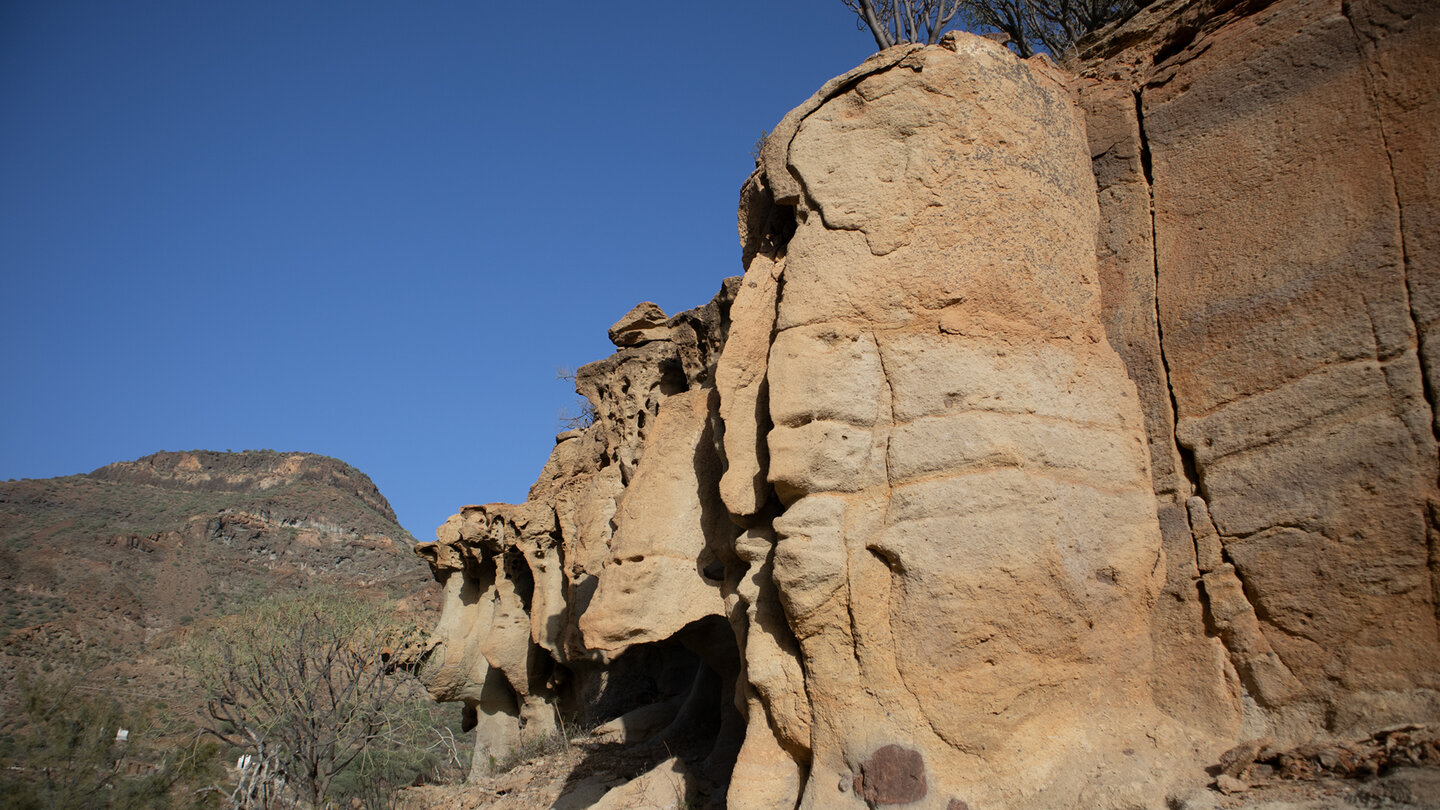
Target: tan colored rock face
[
  {"x": 653, "y": 582},
  {"x": 970, "y": 540},
  {"x": 1206, "y": 698},
  {"x": 744, "y": 391},
  {"x": 1064, "y": 432},
  {"x": 624, "y": 543},
  {"x": 1292, "y": 315}
]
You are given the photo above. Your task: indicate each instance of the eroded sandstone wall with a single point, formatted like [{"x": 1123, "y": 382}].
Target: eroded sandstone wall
[
  {"x": 967, "y": 545},
  {"x": 1065, "y": 429},
  {"x": 1268, "y": 277}
]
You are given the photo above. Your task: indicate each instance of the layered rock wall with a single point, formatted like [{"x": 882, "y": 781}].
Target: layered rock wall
[
  {"x": 1267, "y": 283},
  {"x": 1066, "y": 429}
]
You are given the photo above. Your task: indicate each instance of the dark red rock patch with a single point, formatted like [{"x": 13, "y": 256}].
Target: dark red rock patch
[{"x": 892, "y": 775}]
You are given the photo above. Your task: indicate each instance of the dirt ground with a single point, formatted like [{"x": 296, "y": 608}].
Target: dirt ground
[{"x": 1394, "y": 769}]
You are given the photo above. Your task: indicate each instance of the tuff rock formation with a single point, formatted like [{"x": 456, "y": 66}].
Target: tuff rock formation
[{"x": 1066, "y": 429}]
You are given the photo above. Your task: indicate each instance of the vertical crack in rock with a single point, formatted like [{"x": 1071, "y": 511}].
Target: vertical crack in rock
[
  {"x": 1189, "y": 467},
  {"x": 885, "y": 379},
  {"x": 742, "y": 373},
  {"x": 855, "y": 633},
  {"x": 1367, "y": 47},
  {"x": 1126, "y": 255},
  {"x": 775, "y": 757},
  {"x": 1394, "y": 186},
  {"x": 1212, "y": 588},
  {"x": 1187, "y": 453}
]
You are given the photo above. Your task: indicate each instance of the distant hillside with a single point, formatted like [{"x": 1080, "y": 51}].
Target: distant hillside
[{"x": 115, "y": 562}]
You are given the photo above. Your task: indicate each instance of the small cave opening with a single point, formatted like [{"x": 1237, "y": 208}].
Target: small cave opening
[
  {"x": 478, "y": 576},
  {"x": 672, "y": 379},
  {"x": 517, "y": 571},
  {"x": 546, "y": 675},
  {"x": 670, "y": 698},
  {"x": 780, "y": 227},
  {"x": 768, "y": 226}
]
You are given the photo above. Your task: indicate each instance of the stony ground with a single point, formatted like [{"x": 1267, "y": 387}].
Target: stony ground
[
  {"x": 1394, "y": 769},
  {"x": 571, "y": 778},
  {"x": 1401, "y": 789},
  {"x": 549, "y": 783}
]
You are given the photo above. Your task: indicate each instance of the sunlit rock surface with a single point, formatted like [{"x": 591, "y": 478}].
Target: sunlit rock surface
[{"x": 1066, "y": 429}]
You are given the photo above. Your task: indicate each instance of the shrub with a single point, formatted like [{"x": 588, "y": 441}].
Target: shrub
[{"x": 308, "y": 688}]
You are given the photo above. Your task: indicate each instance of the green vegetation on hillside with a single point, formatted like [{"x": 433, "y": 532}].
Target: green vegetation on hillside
[
  {"x": 117, "y": 567},
  {"x": 67, "y": 743}
]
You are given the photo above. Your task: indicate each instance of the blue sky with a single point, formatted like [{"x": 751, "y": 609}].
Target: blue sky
[{"x": 371, "y": 230}]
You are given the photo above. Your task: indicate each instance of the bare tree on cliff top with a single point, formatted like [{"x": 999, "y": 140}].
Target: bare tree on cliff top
[
  {"x": 895, "y": 21},
  {"x": 1028, "y": 26}
]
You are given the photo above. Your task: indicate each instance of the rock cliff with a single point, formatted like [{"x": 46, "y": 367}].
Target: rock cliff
[{"x": 1067, "y": 428}]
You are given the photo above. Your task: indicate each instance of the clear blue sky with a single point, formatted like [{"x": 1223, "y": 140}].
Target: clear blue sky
[{"x": 371, "y": 230}]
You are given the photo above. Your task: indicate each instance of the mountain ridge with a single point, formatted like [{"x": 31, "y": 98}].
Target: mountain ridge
[{"x": 118, "y": 560}]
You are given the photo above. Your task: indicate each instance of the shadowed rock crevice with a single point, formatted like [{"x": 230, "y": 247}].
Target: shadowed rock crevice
[
  {"x": 1434, "y": 562},
  {"x": 1188, "y": 468},
  {"x": 1189, "y": 484}
]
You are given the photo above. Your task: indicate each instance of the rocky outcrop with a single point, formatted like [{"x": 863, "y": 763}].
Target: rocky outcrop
[
  {"x": 1256, "y": 164},
  {"x": 1065, "y": 430},
  {"x": 251, "y": 471},
  {"x": 968, "y": 542},
  {"x": 601, "y": 593}
]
